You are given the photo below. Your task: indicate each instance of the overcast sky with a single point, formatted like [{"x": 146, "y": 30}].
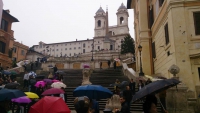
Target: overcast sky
[{"x": 53, "y": 21}]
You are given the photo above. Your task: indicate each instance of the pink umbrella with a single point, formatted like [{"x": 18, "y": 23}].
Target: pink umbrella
[
  {"x": 55, "y": 80},
  {"x": 23, "y": 99},
  {"x": 53, "y": 91},
  {"x": 40, "y": 83},
  {"x": 48, "y": 81}
]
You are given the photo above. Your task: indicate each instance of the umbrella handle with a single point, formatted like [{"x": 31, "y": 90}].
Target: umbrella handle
[{"x": 161, "y": 104}]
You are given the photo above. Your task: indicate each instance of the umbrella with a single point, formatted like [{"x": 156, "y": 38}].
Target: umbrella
[
  {"x": 13, "y": 72},
  {"x": 7, "y": 94},
  {"x": 12, "y": 85},
  {"x": 60, "y": 72},
  {"x": 47, "y": 81},
  {"x": 124, "y": 83},
  {"x": 31, "y": 95},
  {"x": 40, "y": 83},
  {"x": 117, "y": 59},
  {"x": 141, "y": 78},
  {"x": 92, "y": 92},
  {"x": 55, "y": 80},
  {"x": 23, "y": 99},
  {"x": 53, "y": 91},
  {"x": 58, "y": 85},
  {"x": 6, "y": 72},
  {"x": 155, "y": 87},
  {"x": 40, "y": 77},
  {"x": 50, "y": 104},
  {"x": 150, "y": 77}
]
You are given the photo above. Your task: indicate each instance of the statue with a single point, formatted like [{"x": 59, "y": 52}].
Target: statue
[
  {"x": 86, "y": 76},
  {"x": 174, "y": 70}
]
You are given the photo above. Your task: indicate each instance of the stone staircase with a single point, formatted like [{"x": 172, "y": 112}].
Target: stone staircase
[{"x": 103, "y": 77}]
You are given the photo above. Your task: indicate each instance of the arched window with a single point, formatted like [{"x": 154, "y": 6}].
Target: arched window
[
  {"x": 99, "y": 23},
  {"x": 121, "y": 20}
]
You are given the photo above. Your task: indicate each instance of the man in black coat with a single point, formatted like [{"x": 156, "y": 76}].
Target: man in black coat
[
  {"x": 127, "y": 94},
  {"x": 124, "y": 105},
  {"x": 132, "y": 86},
  {"x": 55, "y": 69}
]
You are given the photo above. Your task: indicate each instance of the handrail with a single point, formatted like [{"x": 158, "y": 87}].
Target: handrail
[{"x": 129, "y": 72}]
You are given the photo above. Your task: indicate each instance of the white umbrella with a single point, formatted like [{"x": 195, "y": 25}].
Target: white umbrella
[{"x": 58, "y": 85}]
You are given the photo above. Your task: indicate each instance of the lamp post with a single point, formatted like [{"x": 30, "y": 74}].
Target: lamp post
[
  {"x": 92, "y": 50},
  {"x": 140, "y": 50},
  {"x": 119, "y": 51}
]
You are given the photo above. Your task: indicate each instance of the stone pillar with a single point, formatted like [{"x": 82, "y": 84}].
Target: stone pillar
[
  {"x": 86, "y": 76},
  {"x": 178, "y": 100}
]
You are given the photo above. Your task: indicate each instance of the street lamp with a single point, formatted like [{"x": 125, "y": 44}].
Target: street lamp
[
  {"x": 119, "y": 51},
  {"x": 141, "y": 72},
  {"x": 92, "y": 50}
]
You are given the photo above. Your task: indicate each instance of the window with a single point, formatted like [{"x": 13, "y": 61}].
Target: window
[
  {"x": 65, "y": 48},
  {"x": 65, "y": 44},
  {"x": 2, "y": 47},
  {"x": 4, "y": 25},
  {"x": 83, "y": 50},
  {"x": 70, "y": 48},
  {"x": 111, "y": 47},
  {"x": 52, "y": 49},
  {"x": 14, "y": 49},
  {"x": 153, "y": 50},
  {"x": 99, "y": 23},
  {"x": 70, "y": 54},
  {"x": 166, "y": 34},
  {"x": 121, "y": 20},
  {"x": 57, "y": 45},
  {"x": 151, "y": 18},
  {"x": 197, "y": 22},
  {"x": 79, "y": 47},
  {"x": 84, "y": 45},
  {"x": 22, "y": 52},
  {"x": 160, "y": 2},
  {"x": 74, "y": 47},
  {"x": 98, "y": 47},
  {"x": 57, "y": 49}
]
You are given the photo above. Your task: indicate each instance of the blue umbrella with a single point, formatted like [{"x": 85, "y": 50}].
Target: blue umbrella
[
  {"x": 155, "y": 87},
  {"x": 6, "y": 72},
  {"x": 8, "y": 94},
  {"x": 92, "y": 92}
]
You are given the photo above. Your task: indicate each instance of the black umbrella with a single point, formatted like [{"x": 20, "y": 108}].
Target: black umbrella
[
  {"x": 40, "y": 77},
  {"x": 8, "y": 94},
  {"x": 12, "y": 85},
  {"x": 155, "y": 87}
]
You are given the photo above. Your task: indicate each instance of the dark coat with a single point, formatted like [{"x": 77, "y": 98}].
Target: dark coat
[
  {"x": 124, "y": 108},
  {"x": 128, "y": 95}
]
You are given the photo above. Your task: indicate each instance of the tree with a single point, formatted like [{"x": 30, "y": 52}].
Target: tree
[{"x": 128, "y": 45}]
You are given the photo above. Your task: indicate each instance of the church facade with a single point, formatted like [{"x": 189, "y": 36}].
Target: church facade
[{"x": 106, "y": 38}]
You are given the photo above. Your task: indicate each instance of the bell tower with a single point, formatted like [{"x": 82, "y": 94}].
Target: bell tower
[
  {"x": 122, "y": 19},
  {"x": 100, "y": 23}
]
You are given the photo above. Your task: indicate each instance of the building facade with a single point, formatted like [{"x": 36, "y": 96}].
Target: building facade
[
  {"x": 1, "y": 8},
  {"x": 106, "y": 38},
  {"x": 169, "y": 32},
  {"x": 6, "y": 39},
  {"x": 19, "y": 51}
]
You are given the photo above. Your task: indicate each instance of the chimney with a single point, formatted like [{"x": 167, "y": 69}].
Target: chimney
[{"x": 8, "y": 11}]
